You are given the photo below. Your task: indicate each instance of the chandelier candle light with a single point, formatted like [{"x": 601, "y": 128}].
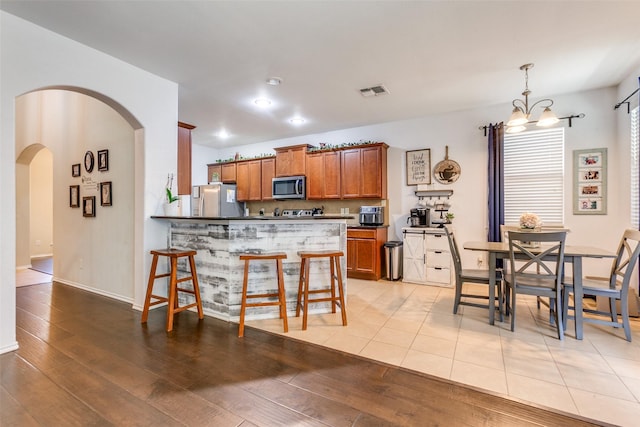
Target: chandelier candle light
[{"x": 522, "y": 111}]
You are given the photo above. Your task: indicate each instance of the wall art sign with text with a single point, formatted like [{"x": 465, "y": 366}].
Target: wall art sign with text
[
  {"x": 590, "y": 181},
  {"x": 419, "y": 167}
]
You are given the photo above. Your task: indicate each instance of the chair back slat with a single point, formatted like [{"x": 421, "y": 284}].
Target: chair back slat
[
  {"x": 544, "y": 262},
  {"x": 626, "y": 260},
  {"x": 455, "y": 252}
]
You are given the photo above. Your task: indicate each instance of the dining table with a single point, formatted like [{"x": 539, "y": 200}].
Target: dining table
[{"x": 572, "y": 255}]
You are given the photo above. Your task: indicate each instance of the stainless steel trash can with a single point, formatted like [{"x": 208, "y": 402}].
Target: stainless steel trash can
[{"x": 393, "y": 260}]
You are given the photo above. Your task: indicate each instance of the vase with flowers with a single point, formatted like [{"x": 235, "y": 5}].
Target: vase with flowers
[
  {"x": 172, "y": 203},
  {"x": 530, "y": 222}
]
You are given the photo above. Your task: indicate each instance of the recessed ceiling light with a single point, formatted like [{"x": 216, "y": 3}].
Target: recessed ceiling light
[
  {"x": 223, "y": 134},
  {"x": 274, "y": 81},
  {"x": 262, "y": 102},
  {"x": 296, "y": 121}
]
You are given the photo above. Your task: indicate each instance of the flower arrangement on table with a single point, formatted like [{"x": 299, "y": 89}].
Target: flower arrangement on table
[{"x": 530, "y": 221}]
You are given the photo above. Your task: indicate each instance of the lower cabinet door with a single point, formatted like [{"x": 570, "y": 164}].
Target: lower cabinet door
[{"x": 413, "y": 259}]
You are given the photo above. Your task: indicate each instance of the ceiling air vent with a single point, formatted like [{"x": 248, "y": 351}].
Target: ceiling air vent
[{"x": 373, "y": 91}]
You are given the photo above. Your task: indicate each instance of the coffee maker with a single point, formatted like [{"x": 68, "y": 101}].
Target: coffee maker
[{"x": 419, "y": 217}]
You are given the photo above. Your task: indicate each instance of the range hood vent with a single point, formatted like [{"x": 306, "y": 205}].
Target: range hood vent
[{"x": 373, "y": 91}]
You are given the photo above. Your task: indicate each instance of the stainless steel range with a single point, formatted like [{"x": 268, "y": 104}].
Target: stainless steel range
[{"x": 303, "y": 212}]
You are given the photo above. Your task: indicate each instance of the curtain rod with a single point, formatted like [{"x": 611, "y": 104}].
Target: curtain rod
[
  {"x": 570, "y": 118},
  {"x": 626, "y": 101}
]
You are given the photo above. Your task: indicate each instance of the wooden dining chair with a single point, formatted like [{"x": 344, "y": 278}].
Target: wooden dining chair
[
  {"x": 615, "y": 288},
  {"x": 463, "y": 276},
  {"x": 536, "y": 271}
]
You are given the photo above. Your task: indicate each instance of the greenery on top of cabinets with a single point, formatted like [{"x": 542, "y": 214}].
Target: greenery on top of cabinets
[
  {"x": 326, "y": 147},
  {"x": 239, "y": 156}
]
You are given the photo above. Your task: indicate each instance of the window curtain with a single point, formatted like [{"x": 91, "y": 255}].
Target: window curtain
[{"x": 496, "y": 180}]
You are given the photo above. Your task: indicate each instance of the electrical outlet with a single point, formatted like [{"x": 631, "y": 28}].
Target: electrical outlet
[
  {"x": 81, "y": 261},
  {"x": 38, "y": 242}
]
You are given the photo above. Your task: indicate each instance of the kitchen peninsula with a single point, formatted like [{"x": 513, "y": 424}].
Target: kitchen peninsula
[{"x": 220, "y": 241}]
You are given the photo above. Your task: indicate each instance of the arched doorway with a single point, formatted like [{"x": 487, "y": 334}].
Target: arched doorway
[
  {"x": 34, "y": 215},
  {"x": 93, "y": 251}
]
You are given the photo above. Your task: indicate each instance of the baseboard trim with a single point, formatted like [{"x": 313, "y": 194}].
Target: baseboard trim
[
  {"x": 94, "y": 290},
  {"x": 9, "y": 348}
]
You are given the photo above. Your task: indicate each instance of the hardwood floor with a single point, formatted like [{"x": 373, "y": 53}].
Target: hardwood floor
[{"x": 86, "y": 360}]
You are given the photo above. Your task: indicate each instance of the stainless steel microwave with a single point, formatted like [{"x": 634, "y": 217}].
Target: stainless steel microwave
[{"x": 289, "y": 187}]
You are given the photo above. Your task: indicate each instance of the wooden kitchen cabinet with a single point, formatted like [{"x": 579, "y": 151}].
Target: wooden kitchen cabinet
[
  {"x": 323, "y": 175},
  {"x": 249, "y": 180},
  {"x": 225, "y": 172},
  {"x": 365, "y": 252},
  {"x": 184, "y": 158},
  {"x": 214, "y": 173},
  {"x": 229, "y": 173},
  {"x": 268, "y": 173},
  {"x": 364, "y": 172},
  {"x": 291, "y": 161}
]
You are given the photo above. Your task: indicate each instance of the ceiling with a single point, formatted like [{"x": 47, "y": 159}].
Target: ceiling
[{"x": 432, "y": 56}]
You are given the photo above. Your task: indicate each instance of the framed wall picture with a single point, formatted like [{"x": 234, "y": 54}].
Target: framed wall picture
[
  {"x": 75, "y": 170},
  {"x": 590, "y": 181},
  {"x": 89, "y": 206},
  {"x": 419, "y": 167},
  {"x": 88, "y": 161},
  {"x": 103, "y": 160},
  {"x": 105, "y": 193},
  {"x": 74, "y": 195}
]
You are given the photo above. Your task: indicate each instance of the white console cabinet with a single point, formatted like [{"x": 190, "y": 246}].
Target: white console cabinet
[{"x": 426, "y": 257}]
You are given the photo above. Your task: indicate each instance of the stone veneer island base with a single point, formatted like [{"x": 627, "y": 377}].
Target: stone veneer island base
[{"x": 219, "y": 243}]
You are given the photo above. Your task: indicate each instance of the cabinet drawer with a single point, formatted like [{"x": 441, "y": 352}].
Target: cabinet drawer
[
  {"x": 361, "y": 234},
  {"x": 438, "y": 259},
  {"x": 437, "y": 241},
  {"x": 439, "y": 275}
]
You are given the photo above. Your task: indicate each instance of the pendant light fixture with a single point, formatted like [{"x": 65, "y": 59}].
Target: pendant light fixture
[{"x": 522, "y": 111}]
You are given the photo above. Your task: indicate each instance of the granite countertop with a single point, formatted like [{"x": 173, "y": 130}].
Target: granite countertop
[
  {"x": 367, "y": 226},
  {"x": 255, "y": 217}
]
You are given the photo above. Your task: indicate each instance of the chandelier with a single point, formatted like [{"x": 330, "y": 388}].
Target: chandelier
[{"x": 522, "y": 111}]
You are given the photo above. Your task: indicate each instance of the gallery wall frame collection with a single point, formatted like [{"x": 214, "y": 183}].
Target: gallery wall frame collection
[
  {"x": 590, "y": 181},
  {"x": 105, "y": 188}
]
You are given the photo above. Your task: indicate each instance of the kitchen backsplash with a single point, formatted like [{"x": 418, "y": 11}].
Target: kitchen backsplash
[{"x": 330, "y": 207}]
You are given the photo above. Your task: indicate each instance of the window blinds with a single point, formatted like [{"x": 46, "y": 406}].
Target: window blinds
[
  {"x": 635, "y": 142},
  {"x": 534, "y": 176}
]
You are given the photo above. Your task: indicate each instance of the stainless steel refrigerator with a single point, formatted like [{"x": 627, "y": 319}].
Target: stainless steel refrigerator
[{"x": 215, "y": 200}]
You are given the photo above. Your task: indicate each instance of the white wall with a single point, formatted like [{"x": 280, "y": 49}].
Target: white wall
[
  {"x": 33, "y": 58},
  {"x": 41, "y": 204}
]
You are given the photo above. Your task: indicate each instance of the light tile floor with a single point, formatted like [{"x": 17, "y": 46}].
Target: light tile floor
[{"x": 413, "y": 326}]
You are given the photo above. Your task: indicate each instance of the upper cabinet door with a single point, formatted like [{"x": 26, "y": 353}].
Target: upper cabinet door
[
  {"x": 249, "y": 180},
  {"x": 374, "y": 172},
  {"x": 364, "y": 172},
  {"x": 351, "y": 173},
  {"x": 184, "y": 158},
  {"x": 268, "y": 173},
  {"x": 291, "y": 161},
  {"x": 323, "y": 175}
]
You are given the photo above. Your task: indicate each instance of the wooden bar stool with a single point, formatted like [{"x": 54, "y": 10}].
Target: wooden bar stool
[
  {"x": 172, "y": 298},
  {"x": 282, "y": 301},
  {"x": 303, "y": 284}
]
